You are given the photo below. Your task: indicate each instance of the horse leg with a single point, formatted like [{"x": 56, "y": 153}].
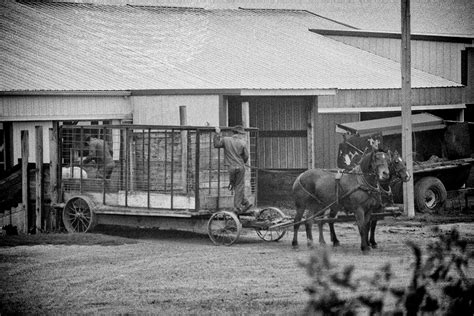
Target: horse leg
[
  {"x": 363, "y": 229},
  {"x": 373, "y": 224},
  {"x": 321, "y": 235},
  {"x": 309, "y": 233},
  {"x": 335, "y": 241},
  {"x": 296, "y": 227}
]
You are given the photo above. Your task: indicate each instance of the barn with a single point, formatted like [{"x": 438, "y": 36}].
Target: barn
[{"x": 296, "y": 72}]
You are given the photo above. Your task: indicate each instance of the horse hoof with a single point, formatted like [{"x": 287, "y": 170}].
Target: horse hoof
[
  {"x": 295, "y": 247},
  {"x": 374, "y": 246},
  {"x": 336, "y": 244}
]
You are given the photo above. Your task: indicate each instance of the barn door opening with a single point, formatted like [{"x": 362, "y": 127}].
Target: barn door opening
[{"x": 283, "y": 131}]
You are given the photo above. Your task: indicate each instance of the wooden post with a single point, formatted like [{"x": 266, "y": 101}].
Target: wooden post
[
  {"x": 408, "y": 198},
  {"x": 24, "y": 176},
  {"x": 246, "y": 124},
  {"x": 39, "y": 178},
  {"x": 245, "y": 114},
  {"x": 183, "y": 121},
  {"x": 53, "y": 172}
]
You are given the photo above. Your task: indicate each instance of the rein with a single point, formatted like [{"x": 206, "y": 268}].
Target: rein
[
  {"x": 321, "y": 212},
  {"x": 363, "y": 184}
]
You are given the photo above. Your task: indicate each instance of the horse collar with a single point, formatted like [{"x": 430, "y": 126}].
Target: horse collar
[{"x": 364, "y": 184}]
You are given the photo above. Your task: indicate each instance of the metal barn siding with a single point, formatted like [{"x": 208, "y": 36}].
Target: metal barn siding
[
  {"x": 353, "y": 99},
  {"x": 62, "y": 108},
  {"x": 282, "y": 124},
  {"x": 326, "y": 141},
  {"x": 164, "y": 109},
  {"x": 438, "y": 58}
]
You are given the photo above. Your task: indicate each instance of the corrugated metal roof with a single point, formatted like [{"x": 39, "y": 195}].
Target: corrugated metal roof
[
  {"x": 448, "y": 17},
  {"x": 58, "y": 46},
  {"x": 453, "y": 17}
]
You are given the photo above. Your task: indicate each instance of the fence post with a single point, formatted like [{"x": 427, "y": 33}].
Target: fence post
[
  {"x": 24, "y": 176},
  {"x": 39, "y": 177},
  {"x": 53, "y": 173}
]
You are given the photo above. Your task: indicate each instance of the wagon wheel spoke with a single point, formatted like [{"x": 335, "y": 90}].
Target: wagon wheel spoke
[
  {"x": 83, "y": 222},
  {"x": 270, "y": 215}
]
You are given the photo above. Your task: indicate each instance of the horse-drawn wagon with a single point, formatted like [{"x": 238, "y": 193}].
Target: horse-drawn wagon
[{"x": 167, "y": 177}]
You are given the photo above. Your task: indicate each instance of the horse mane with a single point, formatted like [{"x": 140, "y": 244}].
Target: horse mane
[{"x": 365, "y": 162}]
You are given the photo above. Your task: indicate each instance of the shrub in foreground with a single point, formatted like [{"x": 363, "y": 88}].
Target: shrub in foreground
[{"x": 438, "y": 286}]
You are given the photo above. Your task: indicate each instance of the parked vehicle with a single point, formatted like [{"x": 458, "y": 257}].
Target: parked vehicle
[{"x": 441, "y": 154}]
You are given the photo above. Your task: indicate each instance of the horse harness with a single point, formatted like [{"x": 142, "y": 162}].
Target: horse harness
[{"x": 373, "y": 191}]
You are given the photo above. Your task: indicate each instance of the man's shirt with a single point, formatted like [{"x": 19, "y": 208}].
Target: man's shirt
[{"x": 235, "y": 149}]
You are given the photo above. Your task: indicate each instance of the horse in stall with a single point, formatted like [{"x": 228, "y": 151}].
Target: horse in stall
[{"x": 356, "y": 191}]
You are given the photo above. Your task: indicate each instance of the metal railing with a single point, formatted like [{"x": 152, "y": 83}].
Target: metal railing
[{"x": 146, "y": 166}]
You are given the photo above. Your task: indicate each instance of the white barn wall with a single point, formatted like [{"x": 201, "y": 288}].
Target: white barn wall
[
  {"x": 438, "y": 58},
  {"x": 164, "y": 109},
  {"x": 61, "y": 108}
]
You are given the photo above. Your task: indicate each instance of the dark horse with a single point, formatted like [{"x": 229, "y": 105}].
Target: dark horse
[
  {"x": 398, "y": 172},
  {"x": 356, "y": 191}
]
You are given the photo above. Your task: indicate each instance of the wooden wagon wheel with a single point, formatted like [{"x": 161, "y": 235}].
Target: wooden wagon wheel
[
  {"x": 272, "y": 215},
  {"x": 78, "y": 214},
  {"x": 224, "y": 228}
]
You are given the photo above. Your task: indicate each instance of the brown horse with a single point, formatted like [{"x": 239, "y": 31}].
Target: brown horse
[
  {"x": 398, "y": 172},
  {"x": 356, "y": 191}
]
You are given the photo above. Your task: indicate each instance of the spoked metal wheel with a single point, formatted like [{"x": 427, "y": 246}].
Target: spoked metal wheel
[
  {"x": 224, "y": 228},
  {"x": 78, "y": 215},
  {"x": 273, "y": 216}
]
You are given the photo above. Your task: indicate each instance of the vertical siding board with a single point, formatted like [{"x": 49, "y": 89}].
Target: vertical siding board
[
  {"x": 282, "y": 114},
  {"x": 326, "y": 140}
]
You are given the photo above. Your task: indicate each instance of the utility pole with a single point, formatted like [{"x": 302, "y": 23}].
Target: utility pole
[{"x": 408, "y": 198}]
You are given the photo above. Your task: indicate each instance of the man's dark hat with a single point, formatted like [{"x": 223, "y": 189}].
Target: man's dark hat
[{"x": 238, "y": 129}]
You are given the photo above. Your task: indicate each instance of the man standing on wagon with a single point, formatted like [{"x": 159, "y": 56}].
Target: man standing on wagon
[{"x": 235, "y": 156}]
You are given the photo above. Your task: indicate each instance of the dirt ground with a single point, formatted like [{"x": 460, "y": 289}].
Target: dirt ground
[{"x": 118, "y": 270}]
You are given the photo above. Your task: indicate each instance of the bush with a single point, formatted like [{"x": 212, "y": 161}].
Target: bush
[{"x": 438, "y": 284}]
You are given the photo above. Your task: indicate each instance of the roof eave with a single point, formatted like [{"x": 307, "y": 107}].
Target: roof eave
[
  {"x": 466, "y": 39},
  {"x": 107, "y": 93}
]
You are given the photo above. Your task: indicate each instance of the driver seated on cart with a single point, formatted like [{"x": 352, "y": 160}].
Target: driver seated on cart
[{"x": 235, "y": 156}]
